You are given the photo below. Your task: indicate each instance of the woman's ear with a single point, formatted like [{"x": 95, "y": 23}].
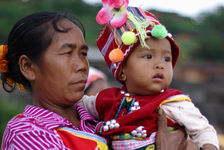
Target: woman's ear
[
  {"x": 121, "y": 75},
  {"x": 27, "y": 67}
]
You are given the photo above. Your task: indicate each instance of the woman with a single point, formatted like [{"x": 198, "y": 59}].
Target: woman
[{"x": 46, "y": 54}]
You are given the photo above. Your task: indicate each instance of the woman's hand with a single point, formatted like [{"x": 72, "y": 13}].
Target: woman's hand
[
  {"x": 209, "y": 147},
  {"x": 166, "y": 140}
]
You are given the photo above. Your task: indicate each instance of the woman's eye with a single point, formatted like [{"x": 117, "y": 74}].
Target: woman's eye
[
  {"x": 84, "y": 54},
  {"x": 148, "y": 56},
  {"x": 67, "y": 52}
]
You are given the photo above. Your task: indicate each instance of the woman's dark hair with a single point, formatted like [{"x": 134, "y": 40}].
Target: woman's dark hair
[{"x": 31, "y": 36}]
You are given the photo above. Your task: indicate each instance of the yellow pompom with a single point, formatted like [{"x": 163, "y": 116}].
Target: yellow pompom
[
  {"x": 116, "y": 55},
  {"x": 128, "y": 38}
]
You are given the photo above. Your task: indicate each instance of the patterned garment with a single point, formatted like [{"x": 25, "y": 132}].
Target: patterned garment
[
  {"x": 83, "y": 140},
  {"x": 115, "y": 103},
  {"x": 178, "y": 108},
  {"x": 136, "y": 117},
  {"x": 36, "y": 129}
]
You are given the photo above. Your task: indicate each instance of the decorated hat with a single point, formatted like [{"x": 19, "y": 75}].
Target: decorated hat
[{"x": 124, "y": 28}]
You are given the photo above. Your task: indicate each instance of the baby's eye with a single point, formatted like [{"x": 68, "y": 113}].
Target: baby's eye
[
  {"x": 148, "y": 56},
  {"x": 167, "y": 59}
]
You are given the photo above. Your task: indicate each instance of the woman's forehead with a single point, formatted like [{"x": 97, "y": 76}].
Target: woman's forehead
[
  {"x": 65, "y": 23},
  {"x": 68, "y": 28}
]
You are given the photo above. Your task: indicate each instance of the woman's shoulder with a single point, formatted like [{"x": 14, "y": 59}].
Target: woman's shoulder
[
  {"x": 20, "y": 123},
  {"x": 24, "y": 129}
]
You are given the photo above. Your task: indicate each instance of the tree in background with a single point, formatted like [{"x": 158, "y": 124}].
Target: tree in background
[
  {"x": 211, "y": 36},
  {"x": 199, "y": 38},
  {"x": 12, "y": 10}
]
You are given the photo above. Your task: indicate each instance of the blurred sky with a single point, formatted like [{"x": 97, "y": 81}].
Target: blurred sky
[{"x": 189, "y": 8}]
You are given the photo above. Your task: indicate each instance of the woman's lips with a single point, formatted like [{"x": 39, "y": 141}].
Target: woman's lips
[{"x": 79, "y": 83}]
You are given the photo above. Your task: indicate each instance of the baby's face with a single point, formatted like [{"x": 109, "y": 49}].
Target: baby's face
[{"x": 148, "y": 71}]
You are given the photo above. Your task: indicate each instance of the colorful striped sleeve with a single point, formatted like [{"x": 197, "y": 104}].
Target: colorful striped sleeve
[{"x": 32, "y": 139}]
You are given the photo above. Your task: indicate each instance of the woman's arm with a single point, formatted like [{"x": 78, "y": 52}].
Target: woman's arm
[
  {"x": 166, "y": 140},
  {"x": 208, "y": 147},
  {"x": 196, "y": 125}
]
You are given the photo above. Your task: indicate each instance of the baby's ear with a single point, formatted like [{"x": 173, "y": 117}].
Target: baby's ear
[{"x": 121, "y": 75}]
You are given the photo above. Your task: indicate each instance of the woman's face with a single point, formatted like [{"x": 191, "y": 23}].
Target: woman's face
[{"x": 62, "y": 74}]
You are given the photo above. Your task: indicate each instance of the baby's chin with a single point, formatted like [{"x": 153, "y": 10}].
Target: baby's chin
[
  {"x": 157, "y": 91},
  {"x": 148, "y": 93}
]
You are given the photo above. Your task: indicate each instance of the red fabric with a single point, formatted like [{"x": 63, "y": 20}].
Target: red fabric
[
  {"x": 108, "y": 102},
  {"x": 79, "y": 144}
]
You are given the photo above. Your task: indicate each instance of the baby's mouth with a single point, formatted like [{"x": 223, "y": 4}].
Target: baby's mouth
[{"x": 158, "y": 77}]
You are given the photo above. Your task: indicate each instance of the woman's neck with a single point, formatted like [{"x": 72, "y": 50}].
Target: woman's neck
[{"x": 68, "y": 112}]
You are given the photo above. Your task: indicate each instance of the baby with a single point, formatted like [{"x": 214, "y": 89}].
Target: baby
[{"x": 141, "y": 54}]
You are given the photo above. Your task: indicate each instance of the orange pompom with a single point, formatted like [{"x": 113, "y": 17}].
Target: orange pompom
[{"x": 116, "y": 55}]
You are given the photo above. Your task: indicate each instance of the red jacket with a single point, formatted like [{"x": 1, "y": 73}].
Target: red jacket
[{"x": 109, "y": 100}]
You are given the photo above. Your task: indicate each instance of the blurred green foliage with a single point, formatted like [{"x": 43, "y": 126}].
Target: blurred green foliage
[
  {"x": 9, "y": 107},
  {"x": 199, "y": 39},
  {"x": 13, "y": 10},
  {"x": 211, "y": 36}
]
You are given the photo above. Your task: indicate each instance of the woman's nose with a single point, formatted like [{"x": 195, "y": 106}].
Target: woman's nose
[{"x": 80, "y": 64}]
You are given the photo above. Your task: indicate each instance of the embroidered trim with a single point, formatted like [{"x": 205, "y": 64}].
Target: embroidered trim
[
  {"x": 126, "y": 136},
  {"x": 101, "y": 142},
  {"x": 134, "y": 144},
  {"x": 125, "y": 54},
  {"x": 99, "y": 127},
  {"x": 126, "y": 103},
  {"x": 101, "y": 33},
  {"x": 105, "y": 47},
  {"x": 175, "y": 100}
]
